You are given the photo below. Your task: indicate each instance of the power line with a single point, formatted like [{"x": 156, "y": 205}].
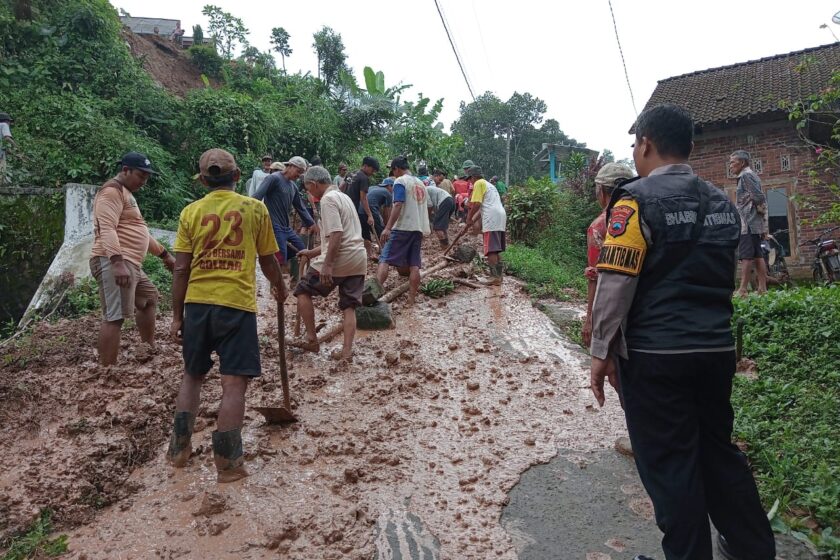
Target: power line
[
  {"x": 454, "y": 50},
  {"x": 623, "y": 63}
]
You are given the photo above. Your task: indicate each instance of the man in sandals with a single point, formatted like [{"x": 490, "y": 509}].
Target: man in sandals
[
  {"x": 214, "y": 306},
  {"x": 340, "y": 260}
]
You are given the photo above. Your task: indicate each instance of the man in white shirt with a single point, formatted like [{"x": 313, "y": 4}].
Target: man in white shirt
[
  {"x": 441, "y": 207},
  {"x": 402, "y": 237},
  {"x": 340, "y": 260},
  {"x": 259, "y": 174},
  {"x": 485, "y": 199}
]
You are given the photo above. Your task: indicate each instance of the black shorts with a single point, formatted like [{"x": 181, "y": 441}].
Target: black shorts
[
  {"x": 749, "y": 246},
  {"x": 231, "y": 333},
  {"x": 444, "y": 211}
]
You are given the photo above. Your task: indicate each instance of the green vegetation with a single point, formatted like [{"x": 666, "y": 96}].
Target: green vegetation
[
  {"x": 790, "y": 415},
  {"x": 83, "y": 297},
  {"x": 548, "y": 224},
  {"x": 437, "y": 287},
  {"x": 36, "y": 543}
]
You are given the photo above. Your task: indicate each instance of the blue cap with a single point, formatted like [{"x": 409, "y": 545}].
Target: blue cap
[{"x": 388, "y": 182}]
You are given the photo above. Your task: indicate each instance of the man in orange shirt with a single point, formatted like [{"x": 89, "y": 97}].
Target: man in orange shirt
[{"x": 121, "y": 241}]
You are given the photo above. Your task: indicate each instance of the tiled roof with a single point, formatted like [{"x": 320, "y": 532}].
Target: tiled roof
[{"x": 750, "y": 88}]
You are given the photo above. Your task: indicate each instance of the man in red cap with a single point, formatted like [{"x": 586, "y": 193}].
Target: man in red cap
[
  {"x": 214, "y": 306},
  {"x": 121, "y": 241}
]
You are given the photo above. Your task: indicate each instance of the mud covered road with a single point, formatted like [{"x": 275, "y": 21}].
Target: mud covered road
[{"x": 433, "y": 422}]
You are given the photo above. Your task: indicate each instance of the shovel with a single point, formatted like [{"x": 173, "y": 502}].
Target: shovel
[
  {"x": 459, "y": 236},
  {"x": 277, "y": 414}
]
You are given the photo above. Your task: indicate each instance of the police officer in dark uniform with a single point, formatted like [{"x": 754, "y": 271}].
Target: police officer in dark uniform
[{"x": 661, "y": 318}]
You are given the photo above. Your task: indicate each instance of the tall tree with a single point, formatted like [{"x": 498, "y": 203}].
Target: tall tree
[
  {"x": 198, "y": 35},
  {"x": 228, "y": 31},
  {"x": 490, "y": 126},
  {"x": 280, "y": 43},
  {"x": 331, "y": 56}
]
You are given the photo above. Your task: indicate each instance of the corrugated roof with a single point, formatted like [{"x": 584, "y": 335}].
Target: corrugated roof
[
  {"x": 750, "y": 88},
  {"x": 146, "y": 26}
]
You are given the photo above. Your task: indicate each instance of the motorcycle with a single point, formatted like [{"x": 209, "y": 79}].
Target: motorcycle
[
  {"x": 774, "y": 257},
  {"x": 826, "y": 266}
]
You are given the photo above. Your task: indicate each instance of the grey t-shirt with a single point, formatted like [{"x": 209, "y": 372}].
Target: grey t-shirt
[
  {"x": 436, "y": 196},
  {"x": 5, "y": 132}
]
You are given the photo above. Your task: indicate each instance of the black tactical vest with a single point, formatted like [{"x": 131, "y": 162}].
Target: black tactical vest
[{"x": 684, "y": 297}]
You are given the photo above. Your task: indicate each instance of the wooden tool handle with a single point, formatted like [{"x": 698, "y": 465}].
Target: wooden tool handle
[{"x": 281, "y": 336}]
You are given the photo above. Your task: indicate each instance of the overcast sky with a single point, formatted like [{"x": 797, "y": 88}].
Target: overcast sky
[{"x": 562, "y": 52}]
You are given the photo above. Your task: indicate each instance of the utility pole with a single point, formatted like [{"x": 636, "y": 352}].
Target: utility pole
[{"x": 507, "y": 160}]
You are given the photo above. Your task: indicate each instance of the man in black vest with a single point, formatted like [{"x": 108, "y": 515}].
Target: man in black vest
[{"x": 662, "y": 311}]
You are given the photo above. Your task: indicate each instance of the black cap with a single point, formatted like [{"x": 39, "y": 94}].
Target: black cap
[
  {"x": 399, "y": 162},
  {"x": 371, "y": 161},
  {"x": 5, "y": 117},
  {"x": 136, "y": 160}
]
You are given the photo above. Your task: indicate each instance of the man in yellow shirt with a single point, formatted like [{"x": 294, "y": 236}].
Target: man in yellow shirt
[{"x": 214, "y": 304}]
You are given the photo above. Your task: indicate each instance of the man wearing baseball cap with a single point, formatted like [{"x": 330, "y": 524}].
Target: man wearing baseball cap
[
  {"x": 214, "y": 306},
  {"x": 485, "y": 200},
  {"x": 403, "y": 235},
  {"x": 121, "y": 241},
  {"x": 281, "y": 195},
  {"x": 609, "y": 177}
]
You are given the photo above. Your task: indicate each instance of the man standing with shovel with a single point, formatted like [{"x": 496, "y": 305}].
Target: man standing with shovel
[{"x": 214, "y": 306}]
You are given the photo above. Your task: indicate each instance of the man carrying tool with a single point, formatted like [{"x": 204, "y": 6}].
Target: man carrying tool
[
  {"x": 485, "y": 199},
  {"x": 357, "y": 190},
  {"x": 663, "y": 308},
  {"x": 280, "y": 195},
  {"x": 380, "y": 201},
  {"x": 402, "y": 237},
  {"x": 441, "y": 207},
  {"x": 340, "y": 261},
  {"x": 214, "y": 305},
  {"x": 121, "y": 241}
]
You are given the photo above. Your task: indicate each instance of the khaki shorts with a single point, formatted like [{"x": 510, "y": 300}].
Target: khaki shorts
[{"x": 119, "y": 302}]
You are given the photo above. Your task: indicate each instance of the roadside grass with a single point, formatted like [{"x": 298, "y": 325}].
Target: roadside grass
[
  {"x": 36, "y": 542},
  {"x": 789, "y": 416},
  {"x": 544, "y": 276}
]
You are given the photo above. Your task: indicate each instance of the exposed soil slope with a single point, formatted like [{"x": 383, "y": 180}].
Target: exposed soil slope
[{"x": 168, "y": 64}]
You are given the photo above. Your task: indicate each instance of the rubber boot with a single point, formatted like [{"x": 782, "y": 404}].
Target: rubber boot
[
  {"x": 227, "y": 454},
  {"x": 180, "y": 443},
  {"x": 496, "y": 272}
]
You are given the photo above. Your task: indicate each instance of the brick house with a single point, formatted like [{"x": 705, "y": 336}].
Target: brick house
[{"x": 739, "y": 107}]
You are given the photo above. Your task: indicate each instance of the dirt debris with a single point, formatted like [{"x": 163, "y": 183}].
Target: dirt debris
[{"x": 417, "y": 413}]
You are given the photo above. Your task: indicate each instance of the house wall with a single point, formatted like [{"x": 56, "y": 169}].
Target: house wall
[{"x": 768, "y": 143}]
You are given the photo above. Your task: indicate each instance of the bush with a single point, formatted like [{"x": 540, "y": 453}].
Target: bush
[
  {"x": 549, "y": 223},
  {"x": 36, "y": 543},
  {"x": 206, "y": 59},
  {"x": 790, "y": 416}
]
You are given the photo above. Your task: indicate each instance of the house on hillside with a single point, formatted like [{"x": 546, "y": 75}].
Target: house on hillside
[
  {"x": 740, "y": 107},
  {"x": 151, "y": 26}
]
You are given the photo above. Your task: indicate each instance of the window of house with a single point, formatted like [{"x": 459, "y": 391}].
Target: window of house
[
  {"x": 779, "y": 223},
  {"x": 785, "y": 162},
  {"x": 757, "y": 166}
]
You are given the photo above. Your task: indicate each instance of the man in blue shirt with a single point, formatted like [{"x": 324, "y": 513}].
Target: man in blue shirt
[
  {"x": 380, "y": 200},
  {"x": 280, "y": 194}
]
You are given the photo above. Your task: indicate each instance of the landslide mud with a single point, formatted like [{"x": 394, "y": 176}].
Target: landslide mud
[{"x": 437, "y": 417}]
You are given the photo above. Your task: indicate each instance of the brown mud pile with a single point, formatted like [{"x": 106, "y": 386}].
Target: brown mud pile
[
  {"x": 166, "y": 62},
  {"x": 437, "y": 417}
]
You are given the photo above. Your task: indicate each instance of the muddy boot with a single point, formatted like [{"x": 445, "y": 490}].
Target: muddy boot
[
  {"x": 227, "y": 454},
  {"x": 495, "y": 278},
  {"x": 180, "y": 443}
]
